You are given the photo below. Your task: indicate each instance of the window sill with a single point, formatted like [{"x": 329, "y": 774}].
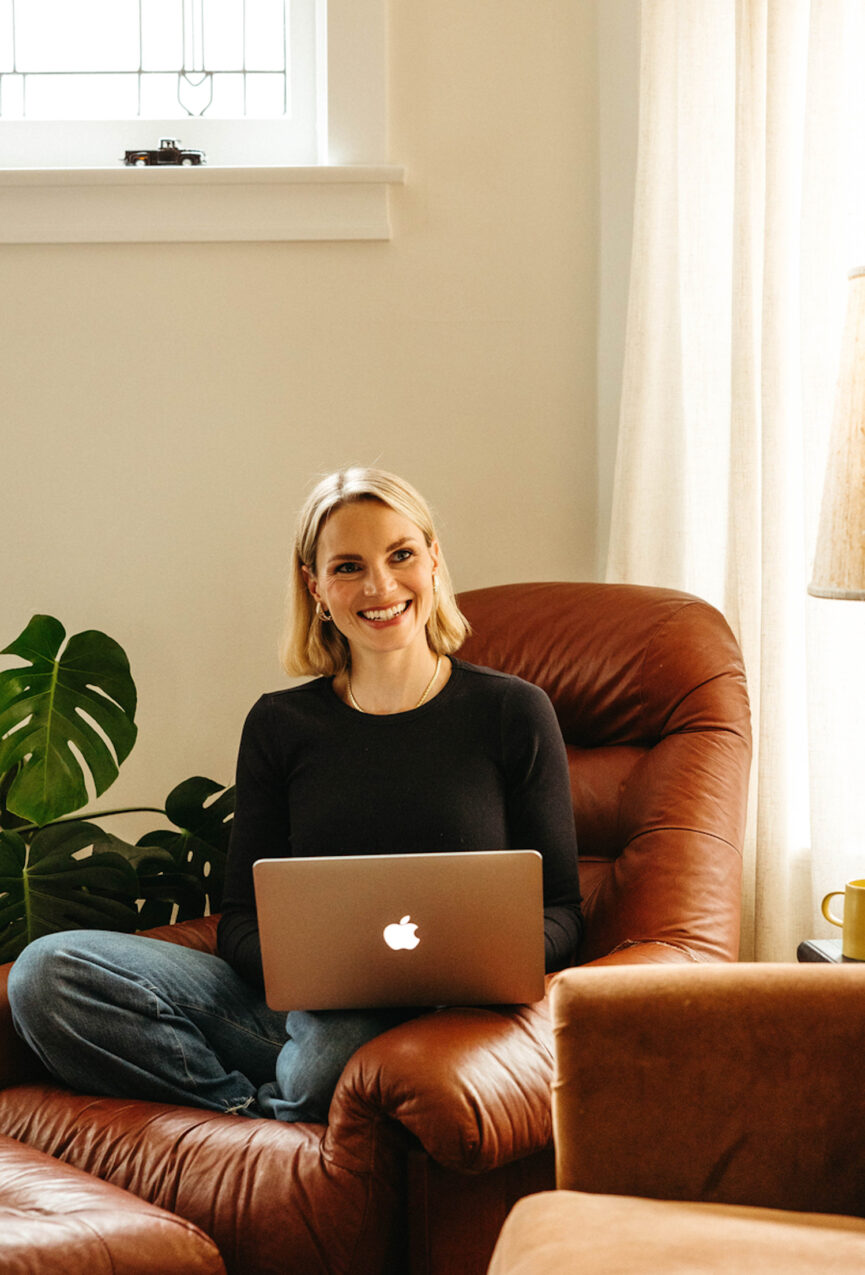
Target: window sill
[{"x": 195, "y": 205}]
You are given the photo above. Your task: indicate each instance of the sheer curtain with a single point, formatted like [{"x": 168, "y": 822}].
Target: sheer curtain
[{"x": 749, "y": 190}]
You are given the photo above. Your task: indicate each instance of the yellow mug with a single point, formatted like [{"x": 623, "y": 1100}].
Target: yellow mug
[{"x": 853, "y": 921}]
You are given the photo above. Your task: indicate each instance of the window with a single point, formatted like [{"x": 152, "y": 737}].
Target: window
[
  {"x": 237, "y": 79},
  {"x": 338, "y": 189}
]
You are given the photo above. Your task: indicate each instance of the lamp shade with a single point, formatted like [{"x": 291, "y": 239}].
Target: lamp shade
[{"x": 839, "y": 562}]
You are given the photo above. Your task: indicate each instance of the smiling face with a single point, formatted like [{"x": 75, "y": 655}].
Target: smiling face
[{"x": 374, "y": 574}]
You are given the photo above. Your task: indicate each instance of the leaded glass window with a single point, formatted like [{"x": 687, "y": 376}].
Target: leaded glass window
[{"x": 145, "y": 59}]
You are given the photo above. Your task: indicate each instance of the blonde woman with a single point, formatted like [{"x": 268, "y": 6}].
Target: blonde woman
[{"x": 393, "y": 745}]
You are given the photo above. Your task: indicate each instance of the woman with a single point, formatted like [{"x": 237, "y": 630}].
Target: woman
[{"x": 393, "y": 747}]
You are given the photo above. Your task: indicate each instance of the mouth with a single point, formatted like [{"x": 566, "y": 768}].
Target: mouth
[{"x": 383, "y": 615}]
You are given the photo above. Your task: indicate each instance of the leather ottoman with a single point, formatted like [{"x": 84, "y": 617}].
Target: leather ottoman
[
  {"x": 560, "y": 1232},
  {"x": 55, "y": 1218}
]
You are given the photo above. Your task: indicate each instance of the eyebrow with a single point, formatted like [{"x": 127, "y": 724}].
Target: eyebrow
[{"x": 357, "y": 557}]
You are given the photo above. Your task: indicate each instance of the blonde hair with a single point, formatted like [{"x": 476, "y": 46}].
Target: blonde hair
[{"x": 314, "y": 647}]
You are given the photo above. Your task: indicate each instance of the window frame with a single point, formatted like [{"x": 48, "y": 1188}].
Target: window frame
[{"x": 343, "y": 196}]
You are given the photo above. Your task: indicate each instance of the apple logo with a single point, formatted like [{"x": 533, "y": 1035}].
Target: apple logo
[{"x": 401, "y": 936}]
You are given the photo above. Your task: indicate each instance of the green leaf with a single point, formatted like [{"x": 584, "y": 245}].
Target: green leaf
[
  {"x": 162, "y": 888},
  {"x": 71, "y": 876},
  {"x": 7, "y": 819},
  {"x": 13, "y": 856},
  {"x": 202, "y": 811},
  {"x": 168, "y": 895},
  {"x": 83, "y": 699}
]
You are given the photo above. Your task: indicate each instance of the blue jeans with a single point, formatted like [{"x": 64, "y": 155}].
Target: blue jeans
[{"x": 134, "y": 1017}]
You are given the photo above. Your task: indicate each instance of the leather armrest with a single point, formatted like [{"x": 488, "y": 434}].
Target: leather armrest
[
  {"x": 649, "y": 952},
  {"x": 200, "y": 933},
  {"x": 736, "y": 1084},
  {"x": 472, "y": 1085}
]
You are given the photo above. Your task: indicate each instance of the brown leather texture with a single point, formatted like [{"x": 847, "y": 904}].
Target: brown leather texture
[
  {"x": 565, "y": 1232},
  {"x": 455, "y": 1228},
  {"x": 649, "y": 689},
  {"x": 741, "y": 1084},
  {"x": 57, "y": 1220}
]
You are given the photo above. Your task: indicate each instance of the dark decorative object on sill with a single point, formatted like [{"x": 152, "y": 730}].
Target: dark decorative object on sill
[
  {"x": 169, "y": 152},
  {"x": 63, "y": 717}
]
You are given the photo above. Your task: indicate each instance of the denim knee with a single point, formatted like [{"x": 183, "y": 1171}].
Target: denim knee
[
  {"x": 124, "y": 1014},
  {"x": 33, "y": 973},
  {"x": 317, "y": 1049},
  {"x": 50, "y": 983}
]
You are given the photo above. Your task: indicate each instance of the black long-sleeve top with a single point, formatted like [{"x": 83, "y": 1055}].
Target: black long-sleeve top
[{"x": 481, "y": 766}]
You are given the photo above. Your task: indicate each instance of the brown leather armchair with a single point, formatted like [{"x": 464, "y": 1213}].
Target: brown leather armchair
[
  {"x": 439, "y": 1125},
  {"x": 705, "y": 1120}
]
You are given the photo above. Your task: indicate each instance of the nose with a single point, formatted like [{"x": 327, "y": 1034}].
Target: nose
[{"x": 379, "y": 580}]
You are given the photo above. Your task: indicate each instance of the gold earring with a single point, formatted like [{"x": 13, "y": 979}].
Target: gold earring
[
  {"x": 321, "y": 613},
  {"x": 435, "y": 583}
]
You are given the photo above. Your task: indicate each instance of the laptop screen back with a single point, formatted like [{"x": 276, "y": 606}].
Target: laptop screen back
[{"x": 362, "y": 931}]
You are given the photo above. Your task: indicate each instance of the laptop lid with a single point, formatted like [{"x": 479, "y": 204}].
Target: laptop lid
[{"x": 363, "y": 931}]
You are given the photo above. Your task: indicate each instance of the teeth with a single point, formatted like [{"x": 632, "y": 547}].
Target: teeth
[{"x": 388, "y": 613}]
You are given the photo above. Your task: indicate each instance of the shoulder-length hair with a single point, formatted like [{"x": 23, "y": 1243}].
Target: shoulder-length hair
[{"x": 315, "y": 647}]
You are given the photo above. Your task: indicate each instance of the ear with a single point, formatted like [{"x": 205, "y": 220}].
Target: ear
[
  {"x": 311, "y": 584},
  {"x": 435, "y": 554}
]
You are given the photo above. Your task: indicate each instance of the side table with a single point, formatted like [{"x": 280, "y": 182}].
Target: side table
[{"x": 824, "y": 950}]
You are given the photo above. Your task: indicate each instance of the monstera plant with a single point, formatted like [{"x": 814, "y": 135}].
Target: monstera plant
[{"x": 67, "y": 723}]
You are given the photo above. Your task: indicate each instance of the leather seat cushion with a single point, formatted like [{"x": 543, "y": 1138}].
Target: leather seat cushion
[
  {"x": 56, "y": 1218},
  {"x": 560, "y": 1232}
]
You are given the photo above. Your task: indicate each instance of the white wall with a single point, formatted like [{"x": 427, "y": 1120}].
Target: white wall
[
  {"x": 165, "y": 408},
  {"x": 618, "y": 112}
]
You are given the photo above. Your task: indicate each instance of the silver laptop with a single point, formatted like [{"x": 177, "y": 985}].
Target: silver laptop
[{"x": 362, "y": 931}]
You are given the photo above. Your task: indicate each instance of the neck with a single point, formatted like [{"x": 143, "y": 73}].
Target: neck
[{"x": 383, "y": 686}]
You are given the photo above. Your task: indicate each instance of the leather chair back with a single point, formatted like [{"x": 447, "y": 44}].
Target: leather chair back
[{"x": 649, "y": 689}]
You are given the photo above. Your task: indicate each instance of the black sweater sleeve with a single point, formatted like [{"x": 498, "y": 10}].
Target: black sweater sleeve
[
  {"x": 540, "y": 815},
  {"x": 261, "y": 829}
]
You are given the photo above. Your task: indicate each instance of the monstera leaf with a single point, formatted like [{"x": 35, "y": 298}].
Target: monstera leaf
[
  {"x": 70, "y": 876},
  {"x": 202, "y": 811},
  {"x": 165, "y": 892},
  {"x": 168, "y": 895},
  {"x": 61, "y": 714}
]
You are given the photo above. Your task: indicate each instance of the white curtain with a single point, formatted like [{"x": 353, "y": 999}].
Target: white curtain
[{"x": 748, "y": 217}]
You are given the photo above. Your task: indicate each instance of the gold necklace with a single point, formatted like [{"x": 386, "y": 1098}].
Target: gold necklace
[{"x": 422, "y": 699}]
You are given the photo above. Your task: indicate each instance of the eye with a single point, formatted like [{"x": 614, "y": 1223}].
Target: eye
[
  {"x": 403, "y": 555},
  {"x": 346, "y": 568}
]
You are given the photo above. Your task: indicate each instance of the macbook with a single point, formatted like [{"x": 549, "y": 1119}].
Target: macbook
[{"x": 362, "y": 931}]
